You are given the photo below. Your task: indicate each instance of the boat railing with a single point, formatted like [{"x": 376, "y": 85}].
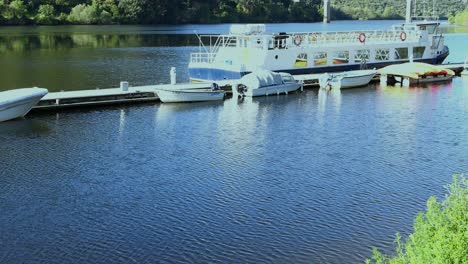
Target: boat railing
[
  {"x": 424, "y": 18},
  {"x": 364, "y": 37}
]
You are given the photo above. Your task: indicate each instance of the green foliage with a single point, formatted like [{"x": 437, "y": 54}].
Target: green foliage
[
  {"x": 440, "y": 235},
  {"x": 204, "y": 11},
  {"x": 390, "y": 9},
  {"x": 45, "y": 15},
  {"x": 460, "y": 18},
  {"x": 15, "y": 12},
  {"x": 83, "y": 14}
]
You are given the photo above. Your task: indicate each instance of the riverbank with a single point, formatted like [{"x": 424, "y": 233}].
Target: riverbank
[{"x": 19, "y": 12}]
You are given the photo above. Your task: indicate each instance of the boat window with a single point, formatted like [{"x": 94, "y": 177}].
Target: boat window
[
  {"x": 361, "y": 55},
  {"x": 270, "y": 44},
  {"x": 340, "y": 57},
  {"x": 320, "y": 58},
  {"x": 418, "y": 52},
  {"x": 401, "y": 53},
  {"x": 382, "y": 54},
  {"x": 430, "y": 28},
  {"x": 301, "y": 60}
]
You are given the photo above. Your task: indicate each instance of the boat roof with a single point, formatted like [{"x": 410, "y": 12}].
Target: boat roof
[{"x": 413, "y": 69}]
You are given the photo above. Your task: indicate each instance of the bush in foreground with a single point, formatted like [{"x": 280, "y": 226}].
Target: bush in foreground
[{"x": 440, "y": 235}]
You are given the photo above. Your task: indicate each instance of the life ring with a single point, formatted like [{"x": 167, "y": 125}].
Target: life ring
[
  {"x": 362, "y": 37},
  {"x": 403, "y": 36},
  {"x": 297, "y": 40}
]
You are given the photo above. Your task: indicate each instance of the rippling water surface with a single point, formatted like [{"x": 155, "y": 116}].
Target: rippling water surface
[
  {"x": 312, "y": 177},
  {"x": 309, "y": 177}
]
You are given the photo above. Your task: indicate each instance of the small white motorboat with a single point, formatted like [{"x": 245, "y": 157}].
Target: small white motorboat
[
  {"x": 17, "y": 103},
  {"x": 190, "y": 95},
  {"x": 265, "y": 82},
  {"x": 349, "y": 79},
  {"x": 465, "y": 69}
]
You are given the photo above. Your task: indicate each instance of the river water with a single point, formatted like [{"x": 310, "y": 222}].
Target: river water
[{"x": 312, "y": 177}]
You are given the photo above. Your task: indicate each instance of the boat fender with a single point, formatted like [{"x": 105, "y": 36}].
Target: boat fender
[
  {"x": 403, "y": 36},
  {"x": 362, "y": 37},
  {"x": 297, "y": 40}
]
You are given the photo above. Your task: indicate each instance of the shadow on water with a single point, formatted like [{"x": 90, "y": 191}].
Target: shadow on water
[{"x": 24, "y": 127}]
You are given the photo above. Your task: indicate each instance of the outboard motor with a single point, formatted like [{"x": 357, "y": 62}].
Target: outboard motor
[
  {"x": 214, "y": 87},
  {"x": 241, "y": 89}
]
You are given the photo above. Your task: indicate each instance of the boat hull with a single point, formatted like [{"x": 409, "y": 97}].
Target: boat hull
[
  {"x": 356, "y": 81},
  {"x": 185, "y": 96},
  {"x": 19, "y": 105},
  {"x": 272, "y": 90}
]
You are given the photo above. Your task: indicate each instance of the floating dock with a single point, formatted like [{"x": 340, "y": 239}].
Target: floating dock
[{"x": 139, "y": 94}]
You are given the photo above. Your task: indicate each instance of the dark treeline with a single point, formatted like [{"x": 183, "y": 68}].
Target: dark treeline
[
  {"x": 156, "y": 11},
  {"x": 49, "y": 12}
]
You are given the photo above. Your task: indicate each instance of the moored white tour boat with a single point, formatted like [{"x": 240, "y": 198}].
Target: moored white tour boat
[
  {"x": 347, "y": 79},
  {"x": 189, "y": 95},
  {"x": 264, "y": 82},
  {"x": 247, "y": 48},
  {"x": 17, "y": 103}
]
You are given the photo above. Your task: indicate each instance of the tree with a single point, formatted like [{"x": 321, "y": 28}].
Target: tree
[
  {"x": 83, "y": 14},
  {"x": 45, "y": 14},
  {"x": 130, "y": 10},
  {"x": 16, "y": 12}
]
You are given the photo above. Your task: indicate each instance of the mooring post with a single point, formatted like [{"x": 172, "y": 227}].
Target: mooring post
[
  {"x": 124, "y": 86},
  {"x": 173, "y": 75}
]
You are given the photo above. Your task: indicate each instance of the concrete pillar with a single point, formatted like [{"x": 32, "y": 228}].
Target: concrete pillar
[
  {"x": 409, "y": 8},
  {"x": 326, "y": 11}
]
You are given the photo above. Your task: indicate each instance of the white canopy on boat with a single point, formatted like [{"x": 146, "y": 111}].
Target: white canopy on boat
[
  {"x": 21, "y": 94},
  {"x": 261, "y": 78}
]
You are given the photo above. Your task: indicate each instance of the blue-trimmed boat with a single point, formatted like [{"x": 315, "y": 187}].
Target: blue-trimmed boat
[{"x": 248, "y": 48}]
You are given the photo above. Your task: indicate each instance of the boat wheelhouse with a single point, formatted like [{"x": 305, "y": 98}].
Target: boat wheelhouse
[{"x": 248, "y": 48}]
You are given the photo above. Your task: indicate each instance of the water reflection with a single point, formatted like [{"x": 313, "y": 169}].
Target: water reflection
[
  {"x": 328, "y": 98},
  {"x": 63, "y": 42}
]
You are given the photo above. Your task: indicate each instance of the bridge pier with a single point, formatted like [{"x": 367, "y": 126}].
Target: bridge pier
[{"x": 326, "y": 11}]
